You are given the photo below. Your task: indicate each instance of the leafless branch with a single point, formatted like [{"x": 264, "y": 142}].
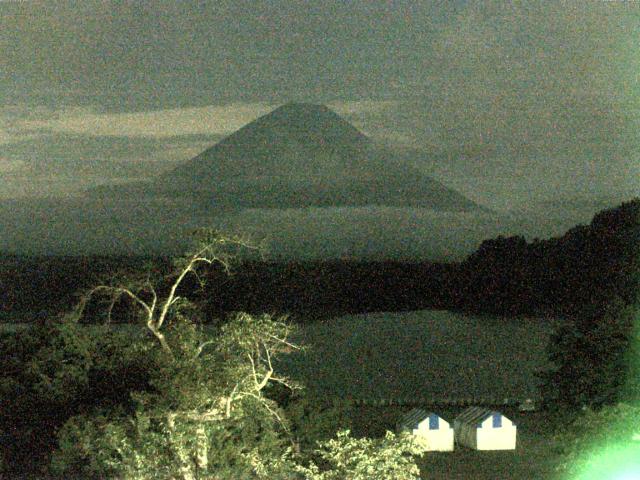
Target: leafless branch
[
  {"x": 284, "y": 381},
  {"x": 229, "y": 400},
  {"x": 198, "y": 278},
  {"x": 253, "y": 369},
  {"x": 265, "y": 404},
  {"x": 137, "y": 299},
  {"x": 266, "y": 350},
  {"x": 115, "y": 293},
  {"x": 159, "y": 335},
  {"x": 155, "y": 298},
  {"x": 265, "y": 380},
  {"x": 201, "y": 347},
  {"x": 114, "y": 299},
  {"x": 284, "y": 341}
]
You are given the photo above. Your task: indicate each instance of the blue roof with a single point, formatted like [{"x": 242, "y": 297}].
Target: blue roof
[
  {"x": 477, "y": 415},
  {"x": 415, "y": 417}
]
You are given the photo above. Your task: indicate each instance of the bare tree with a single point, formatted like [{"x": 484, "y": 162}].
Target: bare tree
[
  {"x": 211, "y": 248},
  {"x": 238, "y": 361}
]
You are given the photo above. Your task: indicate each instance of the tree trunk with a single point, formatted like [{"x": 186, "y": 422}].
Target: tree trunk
[
  {"x": 202, "y": 452},
  {"x": 186, "y": 471}
]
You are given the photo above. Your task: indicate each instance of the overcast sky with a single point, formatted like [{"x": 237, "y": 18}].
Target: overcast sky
[{"x": 515, "y": 100}]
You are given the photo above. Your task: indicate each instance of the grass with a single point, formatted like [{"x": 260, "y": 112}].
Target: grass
[{"x": 532, "y": 459}]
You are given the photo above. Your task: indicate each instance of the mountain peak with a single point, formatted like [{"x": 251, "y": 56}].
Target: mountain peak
[
  {"x": 304, "y": 154},
  {"x": 307, "y": 112},
  {"x": 302, "y": 108},
  {"x": 309, "y": 119},
  {"x": 296, "y": 125}
]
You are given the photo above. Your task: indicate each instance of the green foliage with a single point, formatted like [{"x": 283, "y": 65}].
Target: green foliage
[
  {"x": 26, "y": 421},
  {"x": 79, "y": 361},
  {"x": 80, "y": 446},
  {"x": 315, "y": 420},
  {"x": 204, "y": 413},
  {"x": 59, "y": 369},
  {"x": 591, "y": 357},
  {"x": 594, "y": 432},
  {"x": 348, "y": 458},
  {"x": 156, "y": 444}
]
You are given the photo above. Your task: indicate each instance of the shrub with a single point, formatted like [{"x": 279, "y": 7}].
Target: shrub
[
  {"x": 595, "y": 437},
  {"x": 348, "y": 458}
]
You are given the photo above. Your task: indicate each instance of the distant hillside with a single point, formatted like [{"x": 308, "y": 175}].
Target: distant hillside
[
  {"x": 588, "y": 265},
  {"x": 301, "y": 155}
]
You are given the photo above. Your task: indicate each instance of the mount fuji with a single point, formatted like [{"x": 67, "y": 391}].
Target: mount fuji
[{"x": 301, "y": 155}]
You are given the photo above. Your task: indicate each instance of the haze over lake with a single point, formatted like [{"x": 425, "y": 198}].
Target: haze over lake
[{"x": 131, "y": 226}]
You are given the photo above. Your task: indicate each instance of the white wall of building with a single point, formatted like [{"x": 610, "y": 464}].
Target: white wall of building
[
  {"x": 477, "y": 430},
  {"x": 440, "y": 440}
]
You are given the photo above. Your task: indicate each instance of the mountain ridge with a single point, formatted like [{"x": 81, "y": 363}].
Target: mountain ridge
[{"x": 301, "y": 155}]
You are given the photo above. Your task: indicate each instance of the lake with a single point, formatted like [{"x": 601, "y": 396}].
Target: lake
[
  {"x": 435, "y": 355},
  {"x": 438, "y": 356}
]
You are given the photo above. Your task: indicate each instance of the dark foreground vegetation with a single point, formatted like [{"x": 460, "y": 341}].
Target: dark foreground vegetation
[
  {"x": 179, "y": 401},
  {"x": 173, "y": 400}
]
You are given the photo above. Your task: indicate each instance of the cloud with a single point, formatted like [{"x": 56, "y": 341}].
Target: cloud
[
  {"x": 10, "y": 114},
  {"x": 361, "y": 107},
  {"x": 527, "y": 99},
  {"x": 7, "y": 137},
  {"x": 61, "y": 164},
  {"x": 207, "y": 120},
  {"x": 210, "y": 120},
  {"x": 142, "y": 226},
  {"x": 136, "y": 55}
]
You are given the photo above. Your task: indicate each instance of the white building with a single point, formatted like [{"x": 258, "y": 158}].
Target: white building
[
  {"x": 483, "y": 429},
  {"x": 430, "y": 428}
]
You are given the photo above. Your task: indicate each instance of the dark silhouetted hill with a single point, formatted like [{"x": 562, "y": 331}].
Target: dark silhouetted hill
[
  {"x": 300, "y": 155},
  {"x": 588, "y": 265}
]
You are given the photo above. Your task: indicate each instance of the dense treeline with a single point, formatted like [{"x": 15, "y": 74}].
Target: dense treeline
[
  {"x": 589, "y": 264},
  {"x": 34, "y": 287},
  {"x": 596, "y": 353},
  {"x": 330, "y": 288},
  {"x": 590, "y": 277},
  {"x": 38, "y": 286}
]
